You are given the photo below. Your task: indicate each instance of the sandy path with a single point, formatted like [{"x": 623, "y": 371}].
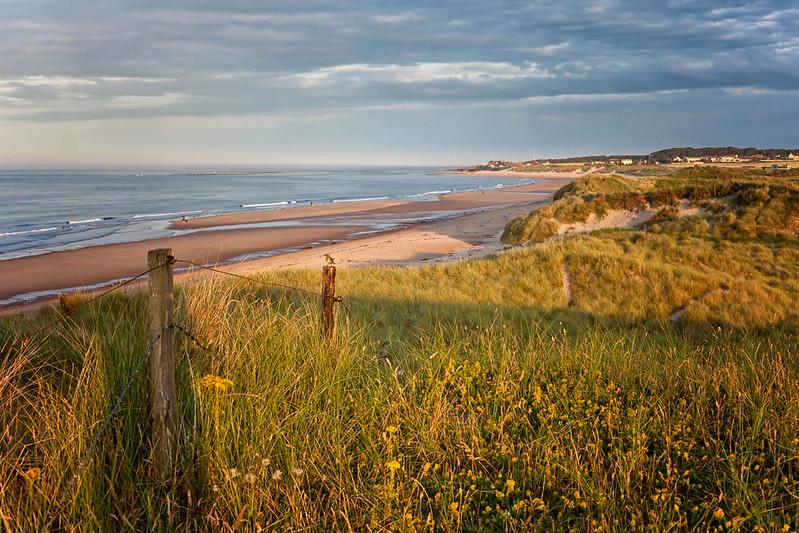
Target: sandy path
[{"x": 567, "y": 286}]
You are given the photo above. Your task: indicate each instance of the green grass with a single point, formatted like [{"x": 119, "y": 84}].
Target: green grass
[{"x": 505, "y": 406}]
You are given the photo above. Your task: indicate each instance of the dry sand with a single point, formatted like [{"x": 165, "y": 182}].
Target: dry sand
[
  {"x": 621, "y": 218},
  {"x": 473, "y": 234}
]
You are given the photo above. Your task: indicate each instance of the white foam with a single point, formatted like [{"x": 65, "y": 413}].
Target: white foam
[
  {"x": 272, "y": 204},
  {"x": 24, "y": 232},
  {"x": 430, "y": 193},
  {"x": 86, "y": 221},
  {"x": 360, "y": 199},
  {"x": 155, "y": 215}
]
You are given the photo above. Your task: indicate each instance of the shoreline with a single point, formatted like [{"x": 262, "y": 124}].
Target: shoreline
[{"x": 363, "y": 232}]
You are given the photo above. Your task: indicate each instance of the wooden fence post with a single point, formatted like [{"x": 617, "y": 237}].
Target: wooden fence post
[
  {"x": 162, "y": 362},
  {"x": 328, "y": 302}
]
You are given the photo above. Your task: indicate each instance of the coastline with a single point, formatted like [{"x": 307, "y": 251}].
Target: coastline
[{"x": 456, "y": 225}]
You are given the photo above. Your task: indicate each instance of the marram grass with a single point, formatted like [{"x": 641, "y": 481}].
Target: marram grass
[
  {"x": 468, "y": 397},
  {"x": 476, "y": 416}
]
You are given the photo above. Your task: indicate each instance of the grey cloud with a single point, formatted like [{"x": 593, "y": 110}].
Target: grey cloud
[{"x": 82, "y": 60}]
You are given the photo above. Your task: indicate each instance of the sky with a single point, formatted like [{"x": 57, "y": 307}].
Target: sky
[{"x": 117, "y": 83}]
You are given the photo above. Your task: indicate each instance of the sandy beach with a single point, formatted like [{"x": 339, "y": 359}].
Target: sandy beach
[{"x": 469, "y": 225}]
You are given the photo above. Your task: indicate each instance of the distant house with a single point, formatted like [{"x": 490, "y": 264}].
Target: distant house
[
  {"x": 793, "y": 157},
  {"x": 694, "y": 159},
  {"x": 626, "y": 162},
  {"x": 758, "y": 157}
]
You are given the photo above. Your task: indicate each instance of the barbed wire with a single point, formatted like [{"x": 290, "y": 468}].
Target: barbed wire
[
  {"x": 171, "y": 260},
  {"x": 66, "y": 314},
  {"x": 90, "y": 451},
  {"x": 255, "y": 280},
  {"x": 193, "y": 337}
]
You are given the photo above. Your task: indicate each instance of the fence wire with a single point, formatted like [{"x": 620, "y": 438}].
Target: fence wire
[
  {"x": 66, "y": 314},
  {"x": 185, "y": 331},
  {"x": 256, "y": 280}
]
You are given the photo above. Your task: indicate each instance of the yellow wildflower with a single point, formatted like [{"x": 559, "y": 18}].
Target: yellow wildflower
[
  {"x": 510, "y": 485},
  {"x": 393, "y": 465},
  {"x": 718, "y": 514},
  {"x": 391, "y": 430},
  {"x": 32, "y": 473},
  {"x": 209, "y": 381},
  {"x": 453, "y": 508}
]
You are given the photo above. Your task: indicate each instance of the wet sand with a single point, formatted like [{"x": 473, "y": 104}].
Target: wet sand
[{"x": 449, "y": 202}]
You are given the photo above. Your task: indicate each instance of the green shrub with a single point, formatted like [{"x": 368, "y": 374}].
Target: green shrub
[
  {"x": 683, "y": 227},
  {"x": 666, "y": 214},
  {"x": 712, "y": 206},
  {"x": 629, "y": 201}
]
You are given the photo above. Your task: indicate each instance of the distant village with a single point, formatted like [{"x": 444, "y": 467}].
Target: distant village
[{"x": 773, "y": 160}]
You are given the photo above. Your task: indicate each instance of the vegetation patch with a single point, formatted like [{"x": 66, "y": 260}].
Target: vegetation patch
[{"x": 738, "y": 204}]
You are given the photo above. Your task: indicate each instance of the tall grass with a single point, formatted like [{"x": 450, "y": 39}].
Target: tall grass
[
  {"x": 479, "y": 413},
  {"x": 469, "y": 396}
]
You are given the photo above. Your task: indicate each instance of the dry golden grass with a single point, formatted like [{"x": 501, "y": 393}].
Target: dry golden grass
[
  {"x": 69, "y": 301},
  {"x": 467, "y": 397}
]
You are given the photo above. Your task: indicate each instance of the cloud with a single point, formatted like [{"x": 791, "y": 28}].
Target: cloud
[
  {"x": 468, "y": 72},
  {"x": 545, "y": 50},
  {"x": 93, "y": 61},
  {"x": 399, "y": 18}
]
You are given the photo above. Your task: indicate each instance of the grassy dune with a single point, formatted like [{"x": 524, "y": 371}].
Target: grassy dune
[
  {"x": 740, "y": 205},
  {"x": 469, "y": 396}
]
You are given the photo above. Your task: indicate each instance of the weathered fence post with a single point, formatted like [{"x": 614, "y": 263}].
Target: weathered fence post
[
  {"x": 162, "y": 362},
  {"x": 328, "y": 301}
]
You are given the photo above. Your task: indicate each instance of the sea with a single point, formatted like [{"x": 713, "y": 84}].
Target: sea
[{"x": 49, "y": 210}]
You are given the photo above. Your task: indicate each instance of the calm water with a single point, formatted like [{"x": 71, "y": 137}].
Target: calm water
[{"x": 43, "y": 211}]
